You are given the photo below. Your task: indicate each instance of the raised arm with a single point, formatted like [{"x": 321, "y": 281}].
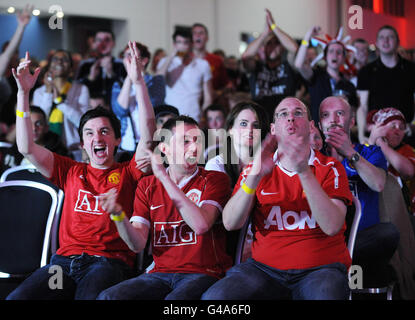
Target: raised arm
[
  {"x": 240, "y": 205},
  {"x": 146, "y": 117},
  {"x": 23, "y": 19},
  {"x": 305, "y": 69},
  {"x": 285, "y": 39},
  {"x": 39, "y": 156}
]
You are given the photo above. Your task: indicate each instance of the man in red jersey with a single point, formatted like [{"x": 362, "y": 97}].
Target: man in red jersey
[
  {"x": 178, "y": 208},
  {"x": 91, "y": 256},
  {"x": 298, "y": 197}
]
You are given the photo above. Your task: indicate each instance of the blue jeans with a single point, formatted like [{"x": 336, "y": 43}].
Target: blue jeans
[
  {"x": 83, "y": 277},
  {"x": 252, "y": 280},
  {"x": 158, "y": 286}
]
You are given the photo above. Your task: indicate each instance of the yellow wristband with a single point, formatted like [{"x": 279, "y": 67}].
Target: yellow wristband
[
  {"x": 22, "y": 114},
  {"x": 247, "y": 189},
  {"x": 304, "y": 42},
  {"x": 115, "y": 217},
  {"x": 273, "y": 26}
]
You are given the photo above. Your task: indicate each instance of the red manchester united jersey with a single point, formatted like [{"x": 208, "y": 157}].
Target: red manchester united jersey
[
  {"x": 286, "y": 235},
  {"x": 175, "y": 246},
  {"x": 85, "y": 226}
]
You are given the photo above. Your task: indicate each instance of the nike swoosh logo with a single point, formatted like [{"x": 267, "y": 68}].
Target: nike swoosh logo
[
  {"x": 267, "y": 193},
  {"x": 156, "y": 207}
]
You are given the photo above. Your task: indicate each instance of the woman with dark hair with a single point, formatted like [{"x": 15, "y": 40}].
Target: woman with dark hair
[
  {"x": 246, "y": 125},
  {"x": 63, "y": 100}
]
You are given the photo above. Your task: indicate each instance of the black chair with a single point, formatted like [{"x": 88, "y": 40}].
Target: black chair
[
  {"x": 27, "y": 210},
  {"x": 29, "y": 172}
]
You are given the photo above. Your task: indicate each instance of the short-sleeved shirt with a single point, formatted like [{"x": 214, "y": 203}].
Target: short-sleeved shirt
[
  {"x": 270, "y": 86},
  {"x": 85, "y": 226},
  {"x": 369, "y": 199},
  {"x": 176, "y": 247},
  {"x": 389, "y": 87},
  {"x": 187, "y": 90},
  {"x": 286, "y": 235}
]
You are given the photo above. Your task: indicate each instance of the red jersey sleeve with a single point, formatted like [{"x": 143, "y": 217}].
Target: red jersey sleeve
[
  {"x": 61, "y": 167},
  {"x": 336, "y": 184},
  {"x": 141, "y": 212},
  {"x": 217, "y": 190}
]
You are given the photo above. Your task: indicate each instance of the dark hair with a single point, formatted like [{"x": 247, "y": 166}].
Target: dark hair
[
  {"x": 105, "y": 30},
  {"x": 144, "y": 52},
  {"x": 68, "y": 53},
  {"x": 185, "y": 33},
  {"x": 388, "y": 27},
  {"x": 326, "y": 49},
  {"x": 198, "y": 24},
  {"x": 360, "y": 40},
  {"x": 36, "y": 109},
  {"x": 171, "y": 123},
  {"x": 232, "y": 169},
  {"x": 214, "y": 107},
  {"x": 97, "y": 113}
]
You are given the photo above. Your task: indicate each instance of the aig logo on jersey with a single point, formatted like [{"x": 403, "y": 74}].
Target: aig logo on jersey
[
  {"x": 289, "y": 220},
  {"x": 173, "y": 234},
  {"x": 87, "y": 203}
]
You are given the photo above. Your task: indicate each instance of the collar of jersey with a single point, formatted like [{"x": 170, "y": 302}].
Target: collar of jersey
[
  {"x": 311, "y": 160},
  {"x": 186, "y": 180}
]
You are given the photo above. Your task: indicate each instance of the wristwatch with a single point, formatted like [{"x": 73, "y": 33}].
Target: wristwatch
[{"x": 355, "y": 157}]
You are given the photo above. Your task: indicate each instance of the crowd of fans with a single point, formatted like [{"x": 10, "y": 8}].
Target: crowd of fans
[{"x": 257, "y": 116}]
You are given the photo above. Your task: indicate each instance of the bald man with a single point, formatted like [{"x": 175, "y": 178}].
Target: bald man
[
  {"x": 298, "y": 199},
  {"x": 366, "y": 169}
]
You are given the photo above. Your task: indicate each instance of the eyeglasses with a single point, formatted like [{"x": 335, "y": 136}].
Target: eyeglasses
[{"x": 286, "y": 114}]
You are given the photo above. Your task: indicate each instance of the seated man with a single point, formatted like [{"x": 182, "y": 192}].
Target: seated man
[
  {"x": 366, "y": 169},
  {"x": 92, "y": 256},
  {"x": 299, "y": 198},
  {"x": 179, "y": 207},
  {"x": 388, "y": 132}
]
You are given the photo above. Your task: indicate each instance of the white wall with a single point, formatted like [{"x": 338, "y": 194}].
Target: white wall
[{"x": 152, "y": 21}]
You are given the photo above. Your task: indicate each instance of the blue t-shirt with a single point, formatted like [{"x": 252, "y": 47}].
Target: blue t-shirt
[{"x": 368, "y": 198}]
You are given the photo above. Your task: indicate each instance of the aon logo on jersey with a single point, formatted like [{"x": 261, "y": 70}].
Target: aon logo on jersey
[{"x": 289, "y": 220}]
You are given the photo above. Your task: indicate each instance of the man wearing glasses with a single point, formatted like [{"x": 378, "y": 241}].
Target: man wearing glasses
[{"x": 298, "y": 199}]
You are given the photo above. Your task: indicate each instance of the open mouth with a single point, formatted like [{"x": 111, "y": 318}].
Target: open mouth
[{"x": 100, "y": 151}]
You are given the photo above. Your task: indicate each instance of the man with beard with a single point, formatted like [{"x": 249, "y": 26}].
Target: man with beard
[
  {"x": 366, "y": 169},
  {"x": 273, "y": 79},
  {"x": 328, "y": 81}
]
